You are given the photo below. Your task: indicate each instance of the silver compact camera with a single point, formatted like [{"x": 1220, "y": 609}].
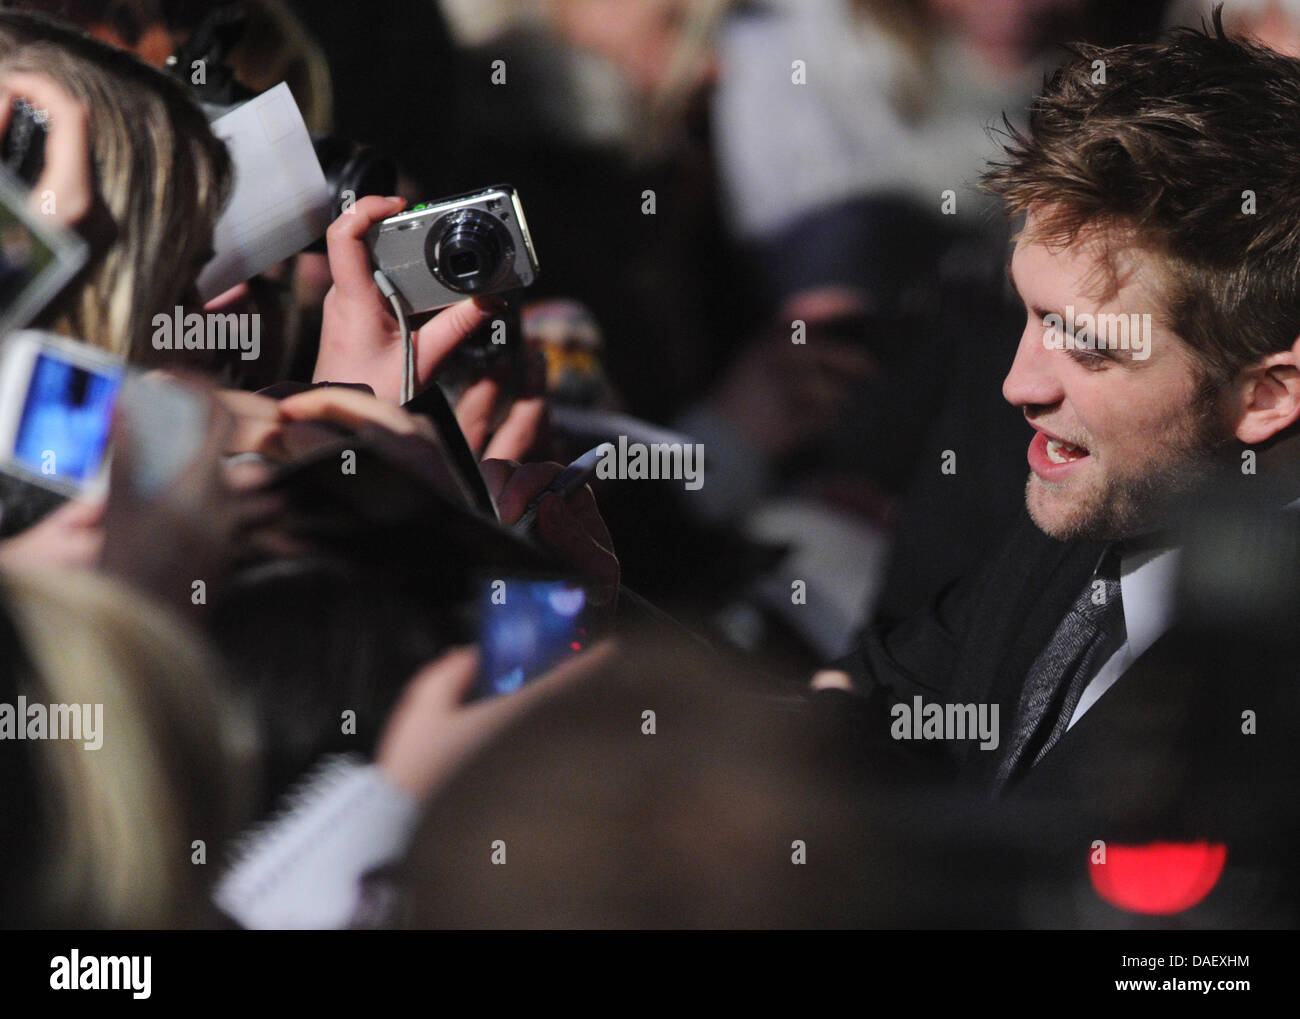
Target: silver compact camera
[{"x": 438, "y": 253}]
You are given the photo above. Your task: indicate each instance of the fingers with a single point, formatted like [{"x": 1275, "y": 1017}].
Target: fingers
[
  {"x": 519, "y": 432},
  {"x": 564, "y": 533},
  {"x": 430, "y": 734},
  {"x": 496, "y": 474},
  {"x": 77, "y": 513},
  {"x": 68, "y": 170},
  {"x": 831, "y": 679},
  {"x": 572, "y": 527},
  {"x": 245, "y": 475},
  {"x": 249, "y": 405},
  {"x": 581, "y": 507},
  {"x": 505, "y": 709},
  {"x": 448, "y": 679},
  {"x": 42, "y": 92},
  {"x": 53, "y": 542},
  {"x": 474, "y": 413},
  {"x": 582, "y": 504},
  {"x": 517, "y": 486},
  {"x": 259, "y": 427},
  {"x": 349, "y": 260},
  {"x": 352, "y": 409},
  {"x": 231, "y": 298},
  {"x": 80, "y": 547},
  {"x": 514, "y": 487},
  {"x": 524, "y": 485},
  {"x": 443, "y": 333},
  {"x": 420, "y": 742},
  {"x": 257, "y": 420},
  {"x": 70, "y": 536}
]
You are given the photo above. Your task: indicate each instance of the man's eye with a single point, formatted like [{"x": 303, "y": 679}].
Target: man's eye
[{"x": 1089, "y": 359}]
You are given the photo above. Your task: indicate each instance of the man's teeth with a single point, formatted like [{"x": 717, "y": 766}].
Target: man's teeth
[{"x": 1062, "y": 452}]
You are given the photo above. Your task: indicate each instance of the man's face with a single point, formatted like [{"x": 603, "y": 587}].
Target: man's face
[{"x": 1120, "y": 431}]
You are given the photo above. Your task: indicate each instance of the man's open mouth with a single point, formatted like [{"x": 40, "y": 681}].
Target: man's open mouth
[
  {"x": 1060, "y": 452},
  {"x": 1054, "y": 459}
]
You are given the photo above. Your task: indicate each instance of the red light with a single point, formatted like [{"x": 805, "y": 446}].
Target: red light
[
  {"x": 576, "y": 646},
  {"x": 1159, "y": 878}
]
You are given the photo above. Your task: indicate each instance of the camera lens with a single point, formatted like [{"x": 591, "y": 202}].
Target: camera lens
[{"x": 469, "y": 251}]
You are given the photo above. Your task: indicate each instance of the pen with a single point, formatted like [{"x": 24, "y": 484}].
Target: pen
[{"x": 565, "y": 484}]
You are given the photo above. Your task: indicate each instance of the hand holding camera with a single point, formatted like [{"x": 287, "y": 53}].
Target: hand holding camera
[
  {"x": 458, "y": 252},
  {"x": 470, "y": 245},
  {"x": 432, "y": 731},
  {"x": 51, "y": 129}
]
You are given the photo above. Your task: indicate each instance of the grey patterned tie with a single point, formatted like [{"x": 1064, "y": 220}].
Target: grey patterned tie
[{"x": 1092, "y": 630}]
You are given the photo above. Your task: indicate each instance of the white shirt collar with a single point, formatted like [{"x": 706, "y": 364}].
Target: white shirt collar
[{"x": 1146, "y": 584}]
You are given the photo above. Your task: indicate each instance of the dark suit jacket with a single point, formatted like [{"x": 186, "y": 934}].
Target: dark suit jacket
[
  {"x": 977, "y": 641},
  {"x": 1161, "y": 756}
]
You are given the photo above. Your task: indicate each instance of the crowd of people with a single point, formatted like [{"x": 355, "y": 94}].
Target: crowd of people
[{"x": 861, "y": 673}]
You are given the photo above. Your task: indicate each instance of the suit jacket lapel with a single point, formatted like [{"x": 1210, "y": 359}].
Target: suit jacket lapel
[{"x": 1025, "y": 597}]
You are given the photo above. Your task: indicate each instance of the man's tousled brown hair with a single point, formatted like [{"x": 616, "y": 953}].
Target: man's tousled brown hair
[{"x": 1161, "y": 152}]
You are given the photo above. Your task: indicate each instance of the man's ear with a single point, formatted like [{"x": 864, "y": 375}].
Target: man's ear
[{"x": 1269, "y": 396}]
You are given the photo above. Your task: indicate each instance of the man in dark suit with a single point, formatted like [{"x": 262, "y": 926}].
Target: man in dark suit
[{"x": 1159, "y": 266}]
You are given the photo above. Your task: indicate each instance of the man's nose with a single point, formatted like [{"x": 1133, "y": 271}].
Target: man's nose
[{"x": 1033, "y": 378}]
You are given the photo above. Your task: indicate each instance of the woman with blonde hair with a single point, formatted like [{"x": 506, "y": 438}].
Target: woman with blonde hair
[
  {"x": 160, "y": 179},
  {"x": 114, "y": 825}
]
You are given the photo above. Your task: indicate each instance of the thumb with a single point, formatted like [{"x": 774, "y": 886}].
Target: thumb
[
  {"x": 443, "y": 333},
  {"x": 449, "y": 678}
]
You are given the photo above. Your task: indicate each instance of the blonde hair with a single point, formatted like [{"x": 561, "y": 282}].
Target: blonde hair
[
  {"x": 120, "y": 823},
  {"x": 161, "y": 179}
]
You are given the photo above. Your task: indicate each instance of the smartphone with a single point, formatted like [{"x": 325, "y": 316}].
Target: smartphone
[
  {"x": 527, "y": 626},
  {"x": 57, "y": 400},
  {"x": 36, "y": 258},
  {"x": 56, "y": 408}
]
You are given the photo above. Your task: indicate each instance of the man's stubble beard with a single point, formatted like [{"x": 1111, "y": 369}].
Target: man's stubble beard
[{"x": 1131, "y": 505}]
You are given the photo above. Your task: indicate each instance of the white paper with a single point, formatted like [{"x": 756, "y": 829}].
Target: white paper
[{"x": 280, "y": 202}]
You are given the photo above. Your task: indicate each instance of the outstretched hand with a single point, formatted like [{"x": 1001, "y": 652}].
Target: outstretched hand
[
  {"x": 197, "y": 525},
  {"x": 572, "y": 528},
  {"x": 431, "y": 731}
]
